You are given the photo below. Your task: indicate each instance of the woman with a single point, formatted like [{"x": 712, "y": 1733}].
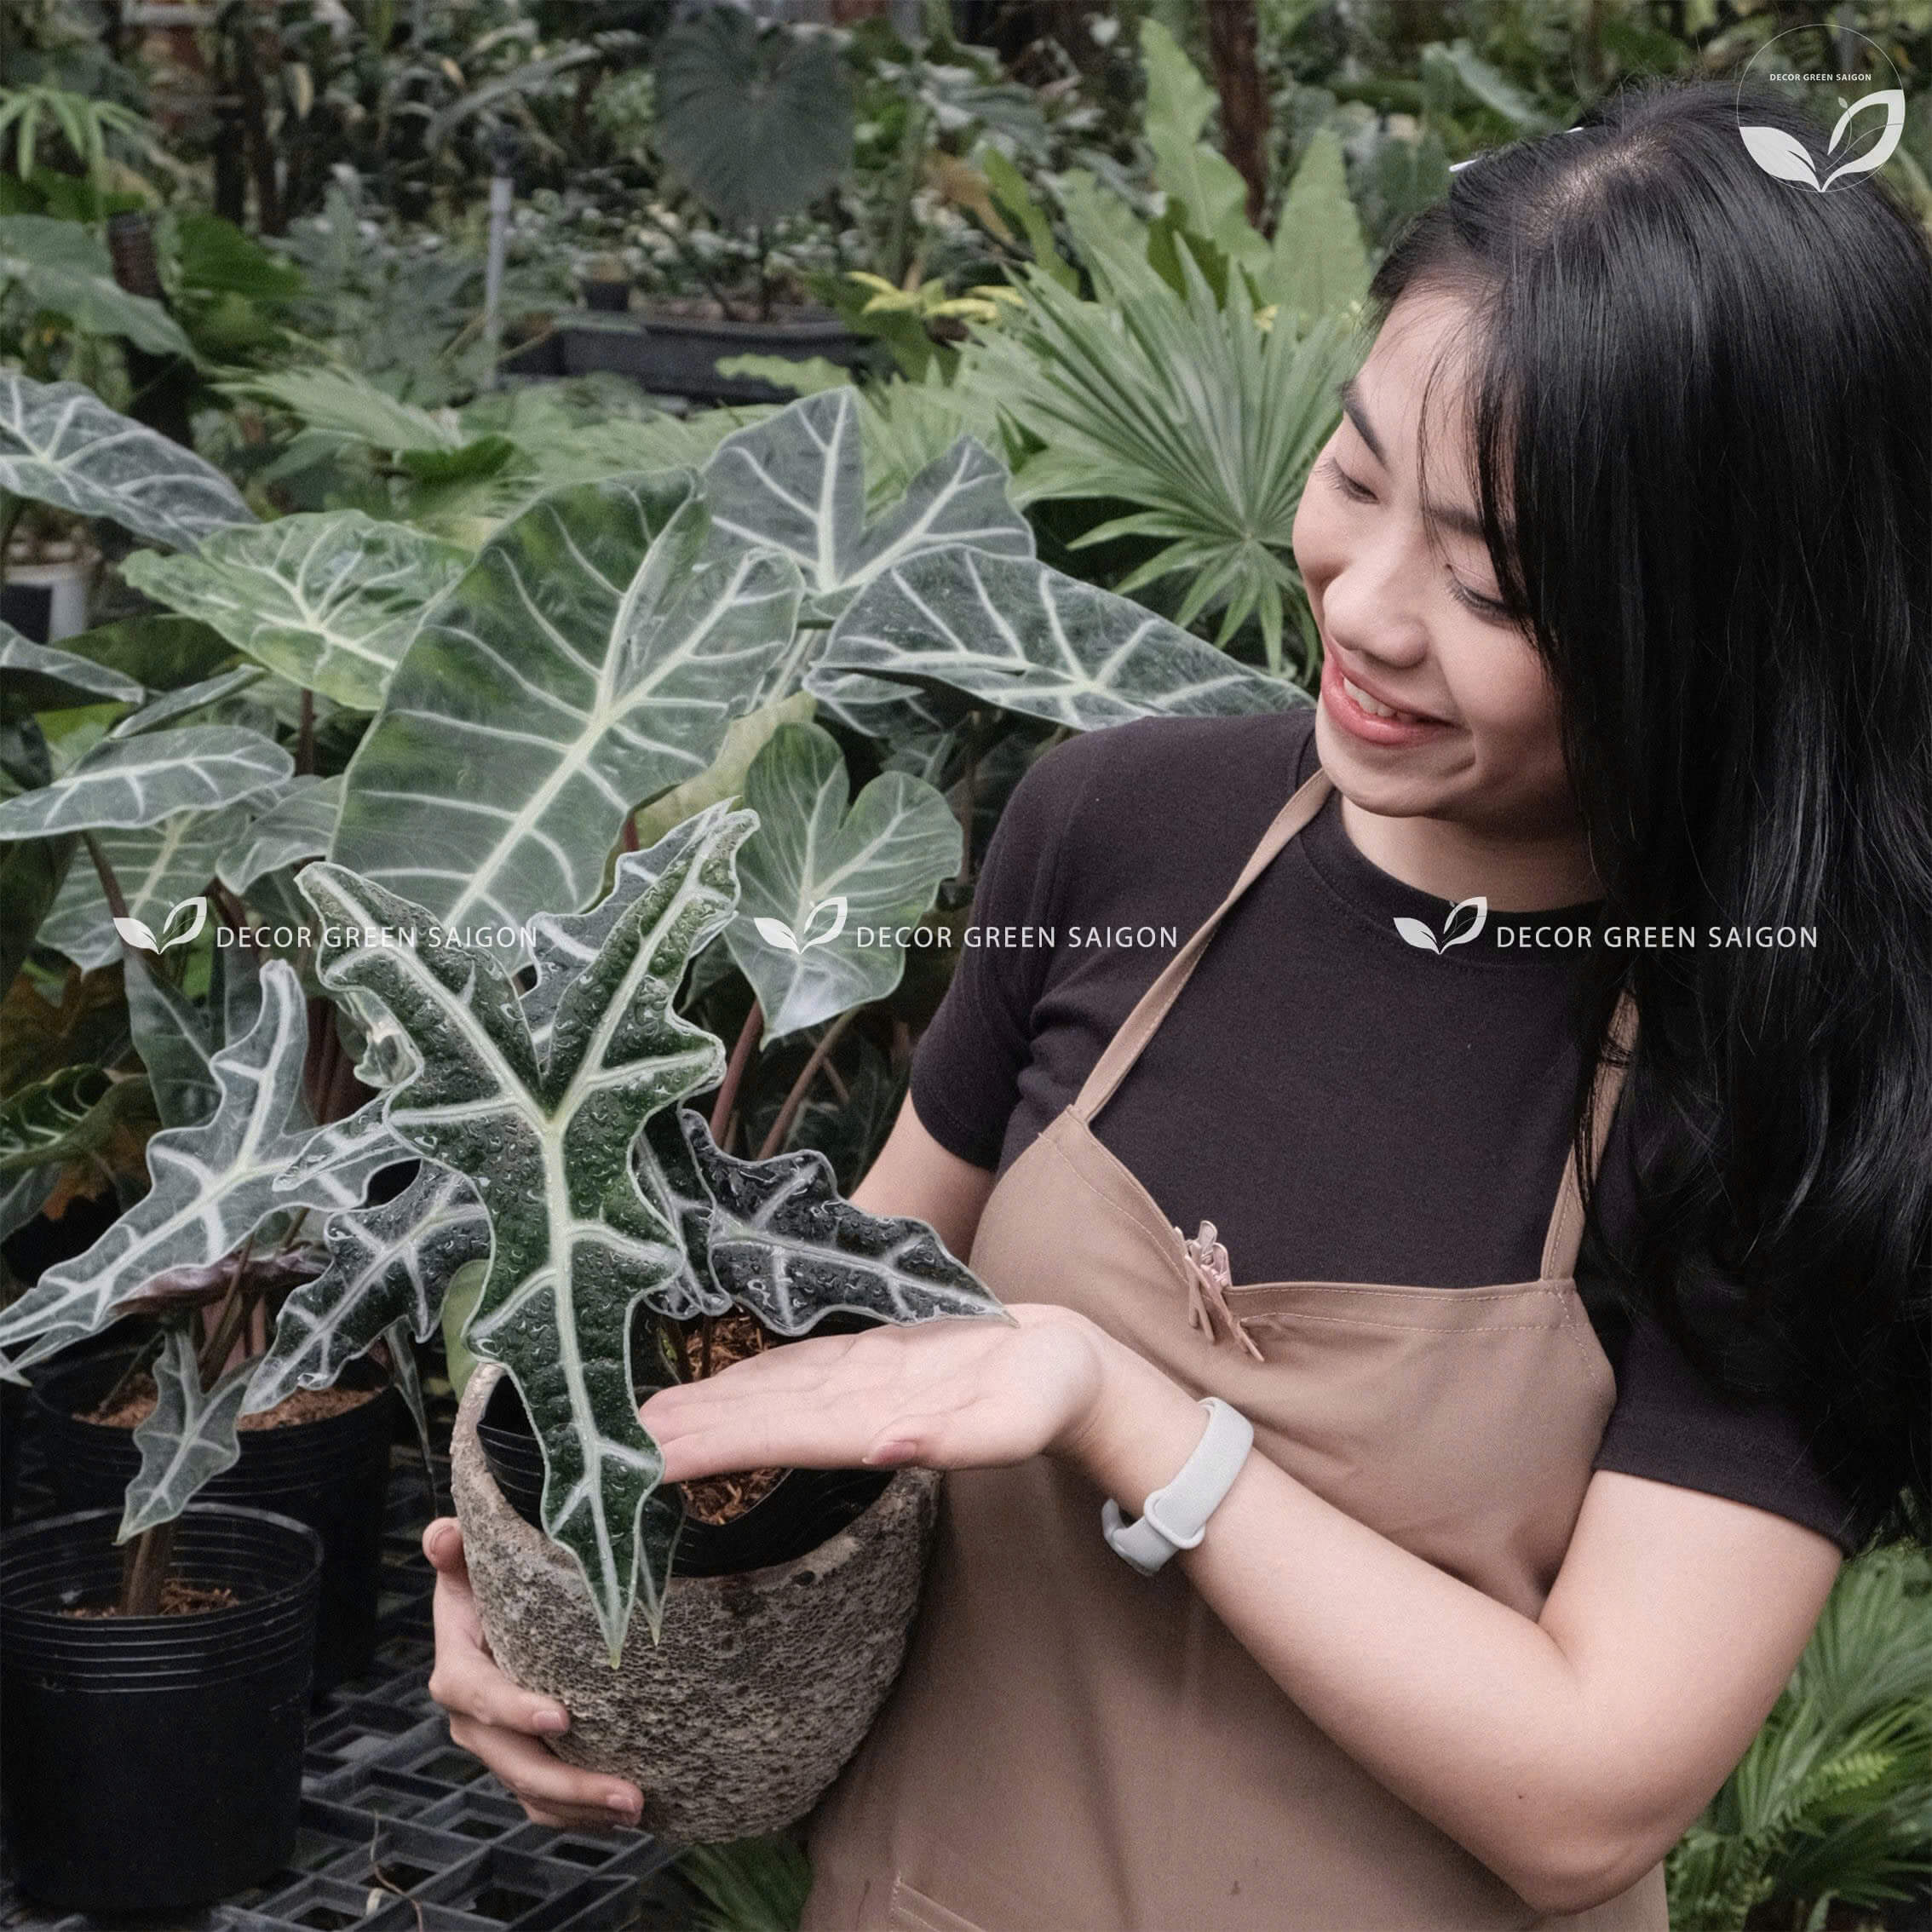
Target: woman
[{"x": 1622, "y": 562}]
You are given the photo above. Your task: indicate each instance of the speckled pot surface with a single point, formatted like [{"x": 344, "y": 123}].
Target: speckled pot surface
[{"x": 762, "y": 1685}]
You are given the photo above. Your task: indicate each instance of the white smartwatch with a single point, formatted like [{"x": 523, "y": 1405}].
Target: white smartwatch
[{"x": 1175, "y": 1514}]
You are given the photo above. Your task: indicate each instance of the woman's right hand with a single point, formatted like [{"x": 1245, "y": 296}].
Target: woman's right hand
[{"x": 502, "y": 1723}]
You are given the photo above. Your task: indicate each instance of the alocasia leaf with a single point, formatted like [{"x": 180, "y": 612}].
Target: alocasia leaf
[
  {"x": 330, "y": 600},
  {"x": 36, "y": 677},
  {"x": 782, "y": 1244},
  {"x": 1015, "y": 633},
  {"x": 212, "y": 1184},
  {"x": 185, "y": 1441},
  {"x": 140, "y": 781},
  {"x": 168, "y": 705},
  {"x": 590, "y": 659},
  {"x": 177, "y": 1040},
  {"x": 68, "y": 1115},
  {"x": 795, "y": 483},
  {"x": 158, "y": 867},
  {"x": 298, "y": 825},
  {"x": 545, "y": 1137},
  {"x": 879, "y": 864},
  {"x": 388, "y": 1265},
  {"x": 60, "y": 444}
]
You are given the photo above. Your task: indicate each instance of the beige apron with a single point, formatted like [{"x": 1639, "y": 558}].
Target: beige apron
[{"x": 1074, "y": 1747}]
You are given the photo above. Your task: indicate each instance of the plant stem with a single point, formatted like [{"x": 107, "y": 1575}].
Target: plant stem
[
  {"x": 775, "y": 1139},
  {"x": 227, "y": 1323},
  {"x": 145, "y": 1570},
  {"x": 110, "y": 886},
  {"x": 143, "y": 1356},
  {"x": 742, "y": 1049}
]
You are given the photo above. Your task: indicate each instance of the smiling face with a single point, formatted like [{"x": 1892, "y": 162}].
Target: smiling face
[{"x": 1405, "y": 604}]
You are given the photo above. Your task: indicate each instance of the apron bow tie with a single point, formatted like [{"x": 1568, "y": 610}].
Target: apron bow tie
[{"x": 1208, "y": 1280}]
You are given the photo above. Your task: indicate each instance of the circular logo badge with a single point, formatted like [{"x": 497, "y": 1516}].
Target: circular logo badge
[{"x": 1840, "y": 79}]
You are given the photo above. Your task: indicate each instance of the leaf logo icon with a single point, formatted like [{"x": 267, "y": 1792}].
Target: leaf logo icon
[
  {"x": 1418, "y": 935},
  {"x": 777, "y": 933},
  {"x": 141, "y": 935},
  {"x": 1784, "y": 156}
]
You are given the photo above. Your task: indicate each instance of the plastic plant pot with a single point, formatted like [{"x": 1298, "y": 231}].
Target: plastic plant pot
[{"x": 149, "y": 1763}]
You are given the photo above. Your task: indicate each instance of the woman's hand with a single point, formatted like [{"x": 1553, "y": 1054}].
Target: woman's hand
[
  {"x": 957, "y": 1392},
  {"x": 499, "y": 1720}
]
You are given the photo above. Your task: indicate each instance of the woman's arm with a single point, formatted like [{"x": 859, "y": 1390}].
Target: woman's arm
[{"x": 1567, "y": 1754}]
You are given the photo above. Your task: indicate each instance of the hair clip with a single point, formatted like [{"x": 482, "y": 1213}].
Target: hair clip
[{"x": 1487, "y": 151}]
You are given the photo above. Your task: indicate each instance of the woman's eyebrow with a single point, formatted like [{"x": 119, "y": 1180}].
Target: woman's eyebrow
[{"x": 1451, "y": 516}]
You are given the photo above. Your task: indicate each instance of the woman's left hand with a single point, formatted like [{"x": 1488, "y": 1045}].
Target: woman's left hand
[{"x": 956, "y": 1392}]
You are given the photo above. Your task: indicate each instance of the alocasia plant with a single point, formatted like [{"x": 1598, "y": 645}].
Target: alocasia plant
[{"x": 539, "y": 1101}]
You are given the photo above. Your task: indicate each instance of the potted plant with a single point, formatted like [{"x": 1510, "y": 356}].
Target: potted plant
[
  {"x": 627, "y": 1250},
  {"x": 755, "y": 117},
  {"x": 48, "y": 574}
]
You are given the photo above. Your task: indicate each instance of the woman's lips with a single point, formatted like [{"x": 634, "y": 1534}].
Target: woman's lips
[{"x": 1367, "y": 725}]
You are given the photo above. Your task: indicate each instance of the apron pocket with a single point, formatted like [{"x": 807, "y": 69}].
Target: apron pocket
[{"x": 912, "y": 1911}]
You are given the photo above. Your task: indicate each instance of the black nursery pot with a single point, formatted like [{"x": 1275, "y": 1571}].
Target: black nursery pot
[
  {"x": 796, "y": 1513},
  {"x": 332, "y": 1475},
  {"x": 152, "y": 1762}
]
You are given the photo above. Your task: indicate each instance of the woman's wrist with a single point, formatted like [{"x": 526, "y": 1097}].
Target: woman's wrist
[{"x": 1140, "y": 1428}]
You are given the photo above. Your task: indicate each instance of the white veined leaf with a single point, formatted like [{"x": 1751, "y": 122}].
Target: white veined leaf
[
  {"x": 129, "y": 782},
  {"x": 186, "y": 1440},
  {"x": 60, "y": 444},
  {"x": 782, "y": 1243},
  {"x": 1015, "y": 633},
  {"x": 298, "y": 825},
  {"x": 331, "y": 600},
  {"x": 177, "y": 1040},
  {"x": 36, "y": 677},
  {"x": 157, "y": 866},
  {"x": 166, "y": 706},
  {"x": 544, "y": 1138},
  {"x": 212, "y": 1184},
  {"x": 795, "y": 482},
  {"x": 883, "y": 854},
  {"x": 388, "y": 1265},
  {"x": 592, "y": 658}
]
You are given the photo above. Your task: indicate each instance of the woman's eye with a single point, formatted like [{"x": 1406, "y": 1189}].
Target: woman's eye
[
  {"x": 1488, "y": 607},
  {"x": 1347, "y": 484}
]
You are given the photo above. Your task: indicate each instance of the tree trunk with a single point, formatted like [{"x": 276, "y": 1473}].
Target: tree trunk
[{"x": 1244, "y": 101}]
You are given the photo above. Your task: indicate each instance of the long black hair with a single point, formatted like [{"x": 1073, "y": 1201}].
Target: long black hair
[{"x": 1700, "y": 415}]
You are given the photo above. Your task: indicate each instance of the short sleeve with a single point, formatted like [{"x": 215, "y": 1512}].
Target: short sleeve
[
  {"x": 1670, "y": 1426},
  {"x": 966, "y": 1066}
]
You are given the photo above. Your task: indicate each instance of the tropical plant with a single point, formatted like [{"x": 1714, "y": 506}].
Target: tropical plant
[
  {"x": 1833, "y": 1800},
  {"x": 755, "y": 118},
  {"x": 625, "y": 656}
]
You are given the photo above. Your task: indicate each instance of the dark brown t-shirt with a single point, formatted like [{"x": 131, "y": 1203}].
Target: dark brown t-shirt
[{"x": 1343, "y": 1105}]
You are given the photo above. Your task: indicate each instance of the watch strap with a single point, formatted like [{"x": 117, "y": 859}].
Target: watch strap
[{"x": 1174, "y": 1516}]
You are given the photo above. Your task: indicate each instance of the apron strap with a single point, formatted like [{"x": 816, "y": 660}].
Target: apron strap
[
  {"x": 1151, "y": 1008},
  {"x": 1565, "y": 1237}
]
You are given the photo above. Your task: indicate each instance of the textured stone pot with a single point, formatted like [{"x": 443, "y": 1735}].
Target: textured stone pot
[{"x": 762, "y": 1685}]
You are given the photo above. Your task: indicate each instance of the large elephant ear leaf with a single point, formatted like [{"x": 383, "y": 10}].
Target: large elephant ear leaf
[
  {"x": 545, "y": 1139},
  {"x": 795, "y": 483},
  {"x": 60, "y": 444},
  {"x": 785, "y": 1245},
  {"x": 212, "y": 1184},
  {"x": 185, "y": 1441},
  {"x": 331, "y": 600},
  {"x": 819, "y": 883},
  {"x": 388, "y": 1265},
  {"x": 1017, "y": 634},
  {"x": 590, "y": 659},
  {"x": 131, "y": 782}
]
